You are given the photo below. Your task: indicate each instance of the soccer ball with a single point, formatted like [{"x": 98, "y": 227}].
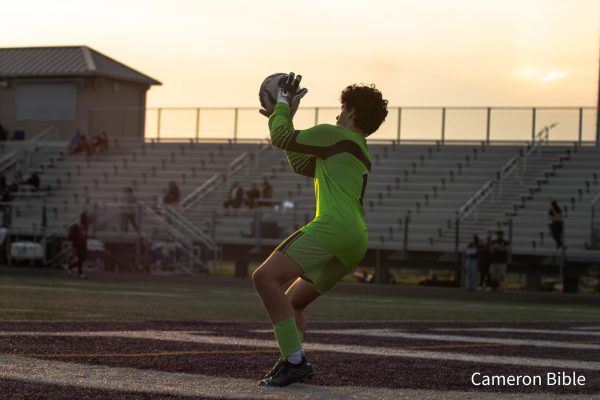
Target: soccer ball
[{"x": 268, "y": 94}]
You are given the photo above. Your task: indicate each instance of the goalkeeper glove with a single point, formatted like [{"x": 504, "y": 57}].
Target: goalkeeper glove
[{"x": 289, "y": 93}]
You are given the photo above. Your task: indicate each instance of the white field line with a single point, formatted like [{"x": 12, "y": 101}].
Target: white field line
[
  {"x": 519, "y": 330},
  {"x": 193, "y": 337},
  {"x": 585, "y": 328},
  {"x": 459, "y": 338},
  {"x": 182, "y": 384}
]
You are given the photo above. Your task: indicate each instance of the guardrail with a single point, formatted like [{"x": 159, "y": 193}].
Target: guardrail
[
  {"x": 403, "y": 123},
  {"x": 200, "y": 192},
  {"x": 48, "y": 133},
  {"x": 234, "y": 166},
  {"x": 8, "y": 160},
  {"x": 240, "y": 162},
  {"x": 512, "y": 165},
  {"x": 188, "y": 228},
  {"x": 479, "y": 196},
  {"x": 507, "y": 170},
  {"x": 542, "y": 138}
]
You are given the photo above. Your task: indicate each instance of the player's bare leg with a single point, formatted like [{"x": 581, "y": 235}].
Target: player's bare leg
[
  {"x": 268, "y": 280},
  {"x": 300, "y": 295}
]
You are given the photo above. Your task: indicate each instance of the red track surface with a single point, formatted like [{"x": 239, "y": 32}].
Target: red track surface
[{"x": 333, "y": 368}]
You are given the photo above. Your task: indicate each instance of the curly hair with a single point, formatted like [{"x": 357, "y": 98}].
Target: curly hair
[{"x": 370, "y": 109}]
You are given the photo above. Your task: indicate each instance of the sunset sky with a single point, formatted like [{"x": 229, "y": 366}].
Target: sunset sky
[{"x": 419, "y": 52}]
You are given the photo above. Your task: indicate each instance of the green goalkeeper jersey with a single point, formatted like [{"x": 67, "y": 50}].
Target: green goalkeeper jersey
[{"x": 338, "y": 160}]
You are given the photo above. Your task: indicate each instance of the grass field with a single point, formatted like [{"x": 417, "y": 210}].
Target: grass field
[{"x": 51, "y": 295}]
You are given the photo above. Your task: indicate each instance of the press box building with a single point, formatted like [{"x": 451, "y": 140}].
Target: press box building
[{"x": 70, "y": 88}]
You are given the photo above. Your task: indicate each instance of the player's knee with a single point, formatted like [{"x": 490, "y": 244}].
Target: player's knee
[
  {"x": 259, "y": 278},
  {"x": 297, "y": 306}
]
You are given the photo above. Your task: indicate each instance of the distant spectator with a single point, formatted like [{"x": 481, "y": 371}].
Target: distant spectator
[
  {"x": 85, "y": 145},
  {"x": 556, "y": 223},
  {"x": 267, "y": 193},
  {"x": 17, "y": 181},
  {"x": 33, "y": 181},
  {"x": 99, "y": 143},
  {"x": 472, "y": 264},
  {"x": 84, "y": 220},
  {"x": 103, "y": 143},
  {"x": 252, "y": 196},
  {"x": 485, "y": 259},
  {"x": 235, "y": 197},
  {"x": 500, "y": 250},
  {"x": 3, "y": 183},
  {"x": 172, "y": 195},
  {"x": 128, "y": 210},
  {"x": 6, "y": 195},
  {"x": 78, "y": 239},
  {"x": 94, "y": 143},
  {"x": 74, "y": 144},
  {"x": 3, "y": 133}
]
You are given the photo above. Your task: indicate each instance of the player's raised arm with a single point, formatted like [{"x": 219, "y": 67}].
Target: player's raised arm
[
  {"x": 281, "y": 126},
  {"x": 302, "y": 164}
]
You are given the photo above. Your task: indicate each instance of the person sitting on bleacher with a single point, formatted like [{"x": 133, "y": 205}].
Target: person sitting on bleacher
[
  {"x": 99, "y": 143},
  {"x": 85, "y": 146},
  {"x": 236, "y": 196},
  {"x": 33, "y": 181},
  {"x": 74, "y": 144},
  {"x": 252, "y": 196},
  {"x": 6, "y": 195},
  {"x": 267, "y": 193},
  {"x": 103, "y": 144},
  {"x": 17, "y": 181},
  {"x": 172, "y": 195}
]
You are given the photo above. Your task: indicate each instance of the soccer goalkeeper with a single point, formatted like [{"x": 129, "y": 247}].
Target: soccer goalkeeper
[{"x": 319, "y": 254}]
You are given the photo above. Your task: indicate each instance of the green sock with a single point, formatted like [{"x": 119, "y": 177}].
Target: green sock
[
  {"x": 287, "y": 337},
  {"x": 300, "y": 336}
]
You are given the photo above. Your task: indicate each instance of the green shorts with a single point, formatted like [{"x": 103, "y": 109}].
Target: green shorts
[{"x": 322, "y": 270}]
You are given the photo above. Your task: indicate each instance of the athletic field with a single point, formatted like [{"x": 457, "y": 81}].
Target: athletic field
[{"x": 205, "y": 337}]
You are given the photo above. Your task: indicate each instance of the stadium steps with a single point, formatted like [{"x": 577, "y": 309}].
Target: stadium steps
[{"x": 573, "y": 185}]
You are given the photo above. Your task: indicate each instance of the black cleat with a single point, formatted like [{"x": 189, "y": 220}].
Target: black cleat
[
  {"x": 274, "y": 370},
  {"x": 290, "y": 373}
]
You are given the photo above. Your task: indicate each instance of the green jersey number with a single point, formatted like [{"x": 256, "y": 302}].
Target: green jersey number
[{"x": 365, "y": 177}]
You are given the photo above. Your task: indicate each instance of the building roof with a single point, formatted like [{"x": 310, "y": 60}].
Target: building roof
[{"x": 29, "y": 62}]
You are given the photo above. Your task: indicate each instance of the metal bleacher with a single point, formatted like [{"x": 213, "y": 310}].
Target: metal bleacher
[
  {"x": 430, "y": 183},
  {"x": 414, "y": 196}
]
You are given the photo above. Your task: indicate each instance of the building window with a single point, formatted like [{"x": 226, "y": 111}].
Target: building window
[{"x": 46, "y": 101}]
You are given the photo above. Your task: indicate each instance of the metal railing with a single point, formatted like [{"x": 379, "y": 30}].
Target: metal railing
[
  {"x": 200, "y": 192},
  {"x": 514, "y": 164},
  {"x": 471, "y": 206},
  {"x": 511, "y": 166},
  {"x": 239, "y": 163},
  {"x": 214, "y": 182},
  {"x": 539, "y": 141},
  {"x": 8, "y": 160},
  {"x": 182, "y": 224},
  {"x": 489, "y": 124}
]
